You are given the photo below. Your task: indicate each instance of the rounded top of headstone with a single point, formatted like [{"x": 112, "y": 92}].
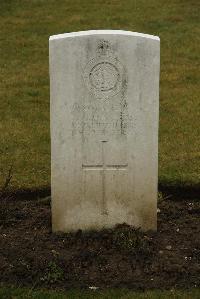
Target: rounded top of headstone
[{"x": 103, "y": 32}]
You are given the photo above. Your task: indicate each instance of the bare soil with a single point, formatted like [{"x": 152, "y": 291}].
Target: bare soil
[{"x": 31, "y": 255}]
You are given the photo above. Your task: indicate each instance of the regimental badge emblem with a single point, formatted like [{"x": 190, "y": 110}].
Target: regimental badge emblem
[{"x": 104, "y": 74}]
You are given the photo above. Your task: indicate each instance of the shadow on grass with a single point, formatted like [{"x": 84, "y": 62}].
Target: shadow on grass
[
  {"x": 178, "y": 191},
  {"x": 24, "y": 194}
]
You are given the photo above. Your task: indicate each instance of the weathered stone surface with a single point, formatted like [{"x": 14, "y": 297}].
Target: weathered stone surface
[{"x": 104, "y": 129}]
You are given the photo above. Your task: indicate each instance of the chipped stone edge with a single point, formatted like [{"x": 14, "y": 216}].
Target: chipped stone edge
[{"x": 103, "y": 32}]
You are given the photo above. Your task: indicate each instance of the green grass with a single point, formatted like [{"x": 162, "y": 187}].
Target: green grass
[
  {"x": 14, "y": 293},
  {"x": 25, "y": 26}
]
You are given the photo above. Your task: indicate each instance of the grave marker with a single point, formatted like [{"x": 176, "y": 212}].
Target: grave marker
[{"x": 104, "y": 129}]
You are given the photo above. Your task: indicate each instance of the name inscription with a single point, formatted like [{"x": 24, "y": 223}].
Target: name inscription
[{"x": 94, "y": 125}]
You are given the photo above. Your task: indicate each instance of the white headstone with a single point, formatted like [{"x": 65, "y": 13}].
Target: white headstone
[{"x": 104, "y": 129}]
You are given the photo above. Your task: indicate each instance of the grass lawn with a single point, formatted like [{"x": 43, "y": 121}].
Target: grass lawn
[
  {"x": 8, "y": 293},
  {"x": 25, "y": 27}
]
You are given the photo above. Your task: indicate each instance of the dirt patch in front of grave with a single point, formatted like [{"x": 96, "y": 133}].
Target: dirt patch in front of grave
[{"x": 30, "y": 255}]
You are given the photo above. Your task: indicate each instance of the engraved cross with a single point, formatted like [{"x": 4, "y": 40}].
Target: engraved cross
[{"x": 103, "y": 168}]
